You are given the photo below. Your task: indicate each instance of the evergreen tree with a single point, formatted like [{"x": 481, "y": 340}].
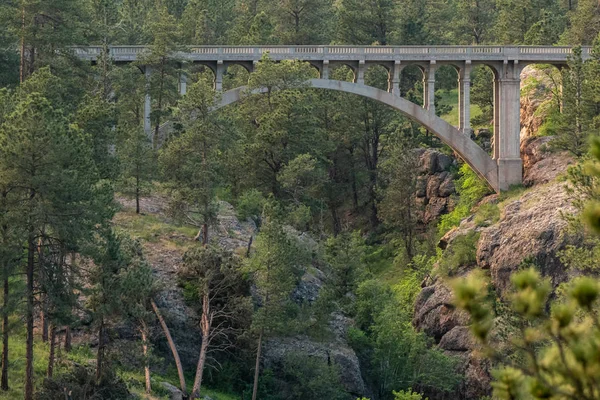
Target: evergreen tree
[
  {"x": 138, "y": 164},
  {"x": 573, "y": 129},
  {"x": 47, "y": 162},
  {"x": 274, "y": 266},
  {"x": 190, "y": 163},
  {"x": 212, "y": 280}
]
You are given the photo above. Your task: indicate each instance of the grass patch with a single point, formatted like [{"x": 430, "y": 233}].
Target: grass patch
[
  {"x": 462, "y": 252},
  {"x": 152, "y": 228},
  {"x": 487, "y": 214},
  {"x": 81, "y": 355},
  {"x": 450, "y": 98}
]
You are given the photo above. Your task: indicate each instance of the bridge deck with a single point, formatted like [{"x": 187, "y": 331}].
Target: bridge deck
[{"x": 535, "y": 54}]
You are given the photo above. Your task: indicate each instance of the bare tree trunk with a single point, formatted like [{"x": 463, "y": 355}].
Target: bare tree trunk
[
  {"x": 67, "y": 339},
  {"x": 29, "y": 316},
  {"x": 4, "y": 380},
  {"x": 137, "y": 194},
  {"x": 144, "y": 331},
  {"x": 100, "y": 353},
  {"x": 165, "y": 328},
  {"x": 257, "y": 366},
  {"x": 205, "y": 326},
  {"x": 52, "y": 349},
  {"x": 43, "y": 319},
  {"x": 249, "y": 247},
  {"x": 22, "y": 62}
]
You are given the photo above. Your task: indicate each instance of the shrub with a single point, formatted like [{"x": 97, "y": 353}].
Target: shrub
[
  {"x": 80, "y": 382},
  {"x": 250, "y": 205},
  {"x": 487, "y": 214},
  {"x": 462, "y": 252},
  {"x": 471, "y": 189}
]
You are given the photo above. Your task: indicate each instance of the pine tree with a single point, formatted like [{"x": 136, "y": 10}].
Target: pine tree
[
  {"x": 138, "y": 165},
  {"x": 274, "y": 266},
  {"x": 47, "y": 163},
  {"x": 138, "y": 288},
  {"x": 212, "y": 278},
  {"x": 190, "y": 162}
]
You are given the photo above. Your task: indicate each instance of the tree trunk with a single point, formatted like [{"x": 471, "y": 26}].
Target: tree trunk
[
  {"x": 137, "y": 194},
  {"x": 144, "y": 331},
  {"x": 29, "y": 316},
  {"x": 52, "y": 348},
  {"x": 257, "y": 366},
  {"x": 205, "y": 326},
  {"x": 22, "y": 61},
  {"x": 205, "y": 234},
  {"x": 100, "y": 353},
  {"x": 67, "y": 339},
  {"x": 4, "y": 379},
  {"x": 165, "y": 328},
  {"x": 43, "y": 319}
]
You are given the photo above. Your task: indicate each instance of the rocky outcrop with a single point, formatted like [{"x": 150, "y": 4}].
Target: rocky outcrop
[
  {"x": 435, "y": 184},
  {"x": 336, "y": 352},
  {"x": 537, "y": 90},
  {"x": 531, "y": 227},
  {"x": 540, "y": 164},
  {"x": 230, "y": 233}
]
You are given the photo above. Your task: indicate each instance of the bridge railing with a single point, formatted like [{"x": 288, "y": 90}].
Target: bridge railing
[{"x": 222, "y": 52}]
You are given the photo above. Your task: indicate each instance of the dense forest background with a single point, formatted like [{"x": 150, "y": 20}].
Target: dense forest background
[{"x": 329, "y": 181}]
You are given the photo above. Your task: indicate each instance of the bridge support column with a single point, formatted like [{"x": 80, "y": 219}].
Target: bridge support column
[
  {"x": 394, "y": 78},
  {"x": 429, "y": 87},
  {"x": 510, "y": 165},
  {"x": 496, "y": 144},
  {"x": 325, "y": 70},
  {"x": 219, "y": 72},
  {"x": 182, "y": 83},
  {"x": 359, "y": 75},
  {"x": 464, "y": 99},
  {"x": 148, "y": 104}
]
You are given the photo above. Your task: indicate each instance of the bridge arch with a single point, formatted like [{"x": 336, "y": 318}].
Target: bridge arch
[{"x": 467, "y": 149}]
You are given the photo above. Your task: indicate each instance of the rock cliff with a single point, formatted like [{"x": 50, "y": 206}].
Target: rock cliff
[
  {"x": 531, "y": 227},
  {"x": 435, "y": 184}
]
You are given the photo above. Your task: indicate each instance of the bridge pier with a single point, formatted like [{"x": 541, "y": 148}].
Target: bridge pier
[
  {"x": 507, "y": 125},
  {"x": 219, "y": 72},
  {"x": 394, "y": 78},
  {"x": 182, "y": 83},
  {"x": 148, "y": 104},
  {"x": 464, "y": 99},
  {"x": 429, "y": 87}
]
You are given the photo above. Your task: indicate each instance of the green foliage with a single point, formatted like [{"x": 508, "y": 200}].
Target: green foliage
[
  {"x": 461, "y": 253},
  {"x": 487, "y": 214},
  {"x": 309, "y": 377},
  {"x": 275, "y": 267},
  {"x": 408, "y": 395},
  {"x": 250, "y": 205},
  {"x": 471, "y": 189},
  {"x": 555, "y": 343},
  {"x": 396, "y": 356}
]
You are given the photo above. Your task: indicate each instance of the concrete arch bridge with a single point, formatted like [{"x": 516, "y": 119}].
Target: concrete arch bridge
[{"x": 501, "y": 170}]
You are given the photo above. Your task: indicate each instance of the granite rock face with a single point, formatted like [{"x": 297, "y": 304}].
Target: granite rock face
[
  {"x": 435, "y": 184},
  {"x": 531, "y": 227}
]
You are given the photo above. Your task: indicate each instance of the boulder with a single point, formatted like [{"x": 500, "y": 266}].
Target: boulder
[
  {"x": 531, "y": 227},
  {"x": 174, "y": 392},
  {"x": 344, "y": 357}
]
